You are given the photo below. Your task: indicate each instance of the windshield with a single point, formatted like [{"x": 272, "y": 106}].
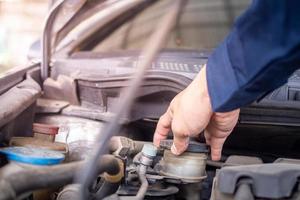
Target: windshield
[{"x": 202, "y": 25}]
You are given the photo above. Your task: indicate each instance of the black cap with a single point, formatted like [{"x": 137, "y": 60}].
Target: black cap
[{"x": 193, "y": 147}]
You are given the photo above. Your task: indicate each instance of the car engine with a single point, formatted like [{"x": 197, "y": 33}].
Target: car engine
[
  {"x": 256, "y": 163},
  {"x": 81, "y": 126}
]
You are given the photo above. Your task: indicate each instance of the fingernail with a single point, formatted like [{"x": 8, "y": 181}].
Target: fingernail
[
  {"x": 174, "y": 149},
  {"x": 156, "y": 139}
]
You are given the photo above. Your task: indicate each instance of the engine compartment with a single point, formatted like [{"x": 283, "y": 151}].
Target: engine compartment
[
  {"x": 189, "y": 176},
  {"x": 66, "y": 112}
]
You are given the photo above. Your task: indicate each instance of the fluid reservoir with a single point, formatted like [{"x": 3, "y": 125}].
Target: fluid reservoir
[{"x": 188, "y": 167}]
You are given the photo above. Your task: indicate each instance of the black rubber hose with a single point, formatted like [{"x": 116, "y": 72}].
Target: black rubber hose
[
  {"x": 106, "y": 189},
  {"x": 34, "y": 178}
]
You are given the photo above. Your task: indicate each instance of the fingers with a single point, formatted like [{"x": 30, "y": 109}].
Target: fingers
[
  {"x": 180, "y": 143},
  {"x": 218, "y": 129},
  {"x": 216, "y": 145},
  {"x": 215, "y": 137},
  {"x": 163, "y": 127}
]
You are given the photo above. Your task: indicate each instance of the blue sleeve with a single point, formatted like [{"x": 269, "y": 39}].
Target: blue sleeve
[{"x": 259, "y": 54}]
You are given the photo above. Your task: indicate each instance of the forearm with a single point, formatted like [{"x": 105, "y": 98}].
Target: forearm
[{"x": 259, "y": 54}]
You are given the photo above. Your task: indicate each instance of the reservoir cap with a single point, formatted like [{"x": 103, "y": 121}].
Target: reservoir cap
[
  {"x": 193, "y": 146},
  {"x": 34, "y": 156}
]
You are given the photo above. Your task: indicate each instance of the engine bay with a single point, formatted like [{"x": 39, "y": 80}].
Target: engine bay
[
  {"x": 47, "y": 137},
  {"x": 135, "y": 169},
  {"x": 78, "y": 123}
]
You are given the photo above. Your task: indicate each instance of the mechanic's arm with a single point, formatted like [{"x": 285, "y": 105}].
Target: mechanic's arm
[{"x": 259, "y": 54}]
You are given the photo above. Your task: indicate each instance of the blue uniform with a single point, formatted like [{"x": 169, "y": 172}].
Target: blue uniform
[{"x": 259, "y": 54}]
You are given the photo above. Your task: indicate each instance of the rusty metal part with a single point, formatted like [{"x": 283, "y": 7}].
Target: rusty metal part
[
  {"x": 33, "y": 142},
  {"x": 45, "y": 132},
  {"x": 154, "y": 45},
  {"x": 115, "y": 178},
  {"x": 50, "y": 106},
  {"x": 188, "y": 167},
  {"x": 45, "y": 129},
  {"x": 124, "y": 146}
]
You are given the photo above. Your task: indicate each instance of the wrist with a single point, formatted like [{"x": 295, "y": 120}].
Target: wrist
[{"x": 200, "y": 85}]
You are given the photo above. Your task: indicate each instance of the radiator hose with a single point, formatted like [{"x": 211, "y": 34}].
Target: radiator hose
[{"x": 18, "y": 179}]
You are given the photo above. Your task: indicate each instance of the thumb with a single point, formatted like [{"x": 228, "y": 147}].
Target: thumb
[{"x": 163, "y": 127}]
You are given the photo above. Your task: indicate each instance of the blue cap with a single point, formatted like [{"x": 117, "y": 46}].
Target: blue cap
[{"x": 34, "y": 156}]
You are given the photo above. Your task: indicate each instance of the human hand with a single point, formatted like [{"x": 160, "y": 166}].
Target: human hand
[{"x": 190, "y": 113}]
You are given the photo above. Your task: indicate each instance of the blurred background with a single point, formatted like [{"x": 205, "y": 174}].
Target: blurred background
[
  {"x": 203, "y": 25},
  {"x": 20, "y": 25}
]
